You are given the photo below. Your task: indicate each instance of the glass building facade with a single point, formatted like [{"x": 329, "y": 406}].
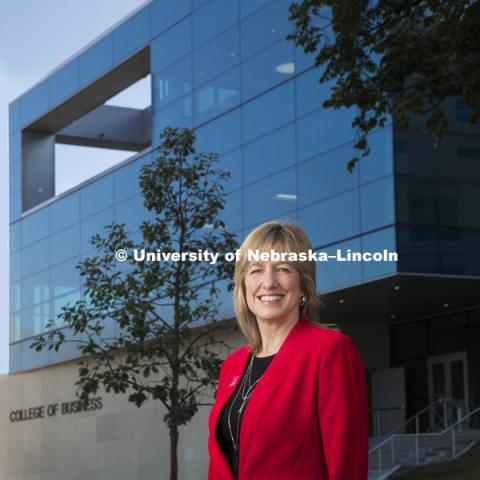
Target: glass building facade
[{"x": 224, "y": 68}]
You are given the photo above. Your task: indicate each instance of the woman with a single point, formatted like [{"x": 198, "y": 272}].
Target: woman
[{"x": 292, "y": 403}]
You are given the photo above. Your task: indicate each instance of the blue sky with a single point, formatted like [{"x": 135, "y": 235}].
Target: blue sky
[{"x": 35, "y": 37}]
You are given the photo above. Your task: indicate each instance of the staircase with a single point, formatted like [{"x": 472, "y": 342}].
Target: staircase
[{"x": 395, "y": 450}]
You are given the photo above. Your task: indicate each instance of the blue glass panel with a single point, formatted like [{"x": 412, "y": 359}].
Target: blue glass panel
[
  {"x": 131, "y": 35},
  {"x": 217, "y": 96},
  {"x": 15, "y": 296},
  {"x": 15, "y": 236},
  {"x": 333, "y": 273},
  {"x": 326, "y": 175},
  {"x": 198, "y": 3},
  {"x": 215, "y": 57},
  {"x": 380, "y": 161},
  {"x": 132, "y": 213},
  {"x": 268, "y": 112},
  {"x": 15, "y": 206},
  {"x": 93, "y": 225},
  {"x": 127, "y": 179},
  {"x": 177, "y": 114},
  {"x": 415, "y": 154},
  {"x": 171, "y": 45},
  {"x": 377, "y": 242},
  {"x": 63, "y": 83},
  {"x": 35, "y": 226},
  {"x": 377, "y": 204},
  {"x": 34, "y": 103},
  {"x": 268, "y": 68},
  {"x": 270, "y": 198},
  {"x": 231, "y": 162},
  {"x": 164, "y": 13},
  {"x": 331, "y": 220},
  {"x": 69, "y": 350},
  {"x": 34, "y": 319},
  {"x": 15, "y": 147},
  {"x": 323, "y": 130},
  {"x": 232, "y": 214},
  {"x": 213, "y": 18},
  {"x": 269, "y": 154},
  {"x": 266, "y": 27},
  {"x": 249, "y": 6},
  {"x": 418, "y": 250},
  {"x": 65, "y": 244},
  {"x": 220, "y": 135},
  {"x": 172, "y": 83},
  {"x": 15, "y": 327},
  {"x": 96, "y": 196},
  {"x": 36, "y": 257},
  {"x": 14, "y": 116},
  {"x": 97, "y": 60},
  {"x": 60, "y": 302},
  {"x": 65, "y": 277},
  {"x": 459, "y": 252},
  {"x": 15, "y": 266},
  {"x": 36, "y": 289},
  {"x": 30, "y": 358},
  {"x": 65, "y": 212},
  {"x": 416, "y": 201},
  {"x": 304, "y": 61},
  {"x": 458, "y": 204},
  {"x": 458, "y": 158},
  {"x": 310, "y": 92},
  {"x": 15, "y": 176}
]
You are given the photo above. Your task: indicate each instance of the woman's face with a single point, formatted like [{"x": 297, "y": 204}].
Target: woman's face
[{"x": 273, "y": 291}]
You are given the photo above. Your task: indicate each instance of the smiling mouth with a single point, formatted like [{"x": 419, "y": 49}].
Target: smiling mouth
[{"x": 270, "y": 298}]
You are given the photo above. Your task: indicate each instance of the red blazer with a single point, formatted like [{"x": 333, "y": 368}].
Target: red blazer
[{"x": 307, "y": 417}]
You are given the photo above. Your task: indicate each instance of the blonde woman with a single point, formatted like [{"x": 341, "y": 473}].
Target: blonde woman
[{"x": 291, "y": 404}]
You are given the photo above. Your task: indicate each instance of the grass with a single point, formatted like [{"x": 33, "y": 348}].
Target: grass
[{"x": 466, "y": 467}]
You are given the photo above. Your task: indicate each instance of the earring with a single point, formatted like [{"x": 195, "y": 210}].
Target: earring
[{"x": 303, "y": 300}]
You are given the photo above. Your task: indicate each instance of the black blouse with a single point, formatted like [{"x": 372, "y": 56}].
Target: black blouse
[{"x": 225, "y": 431}]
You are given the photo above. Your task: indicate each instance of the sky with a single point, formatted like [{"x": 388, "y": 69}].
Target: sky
[{"x": 35, "y": 37}]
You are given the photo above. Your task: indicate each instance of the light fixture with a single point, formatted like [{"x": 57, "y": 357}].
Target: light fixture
[
  {"x": 445, "y": 305},
  {"x": 285, "y": 196},
  {"x": 285, "y": 68},
  {"x": 396, "y": 287},
  {"x": 341, "y": 300},
  {"x": 393, "y": 316}
]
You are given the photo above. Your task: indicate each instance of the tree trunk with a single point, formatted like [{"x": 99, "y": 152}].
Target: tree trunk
[{"x": 173, "y": 430}]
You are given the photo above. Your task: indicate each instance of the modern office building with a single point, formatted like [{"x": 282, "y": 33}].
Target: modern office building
[{"x": 224, "y": 68}]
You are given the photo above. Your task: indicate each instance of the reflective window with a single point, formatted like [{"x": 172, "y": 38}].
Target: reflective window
[
  {"x": 269, "y": 198},
  {"x": 269, "y": 154},
  {"x": 35, "y": 226},
  {"x": 326, "y": 175},
  {"x": 93, "y": 225},
  {"x": 36, "y": 257},
  {"x": 65, "y": 277},
  {"x": 14, "y": 120},
  {"x": 415, "y": 200},
  {"x": 171, "y": 45},
  {"x": 231, "y": 162},
  {"x": 310, "y": 92},
  {"x": 97, "y": 196},
  {"x": 380, "y": 160},
  {"x": 377, "y": 204},
  {"x": 220, "y": 135},
  {"x": 415, "y": 154},
  {"x": 15, "y": 176},
  {"x": 131, "y": 35},
  {"x": 63, "y": 83},
  {"x": 15, "y": 147},
  {"x": 303, "y": 60},
  {"x": 458, "y": 204},
  {"x": 15, "y": 266},
  {"x": 377, "y": 242},
  {"x": 65, "y": 244},
  {"x": 127, "y": 179},
  {"x": 324, "y": 130},
  {"x": 459, "y": 252},
  {"x": 232, "y": 213},
  {"x": 132, "y": 213},
  {"x": 15, "y": 327},
  {"x": 332, "y": 219},
  {"x": 60, "y": 302},
  {"x": 213, "y": 18},
  {"x": 266, "y": 27},
  {"x": 15, "y": 236},
  {"x": 34, "y": 319},
  {"x": 268, "y": 68},
  {"x": 30, "y": 358},
  {"x": 15, "y": 296},
  {"x": 249, "y": 6},
  {"x": 164, "y": 13},
  {"x": 172, "y": 83},
  {"x": 418, "y": 250},
  {"x": 97, "y": 60},
  {"x": 333, "y": 274},
  {"x": 217, "y": 96},
  {"x": 268, "y": 112},
  {"x": 34, "y": 103},
  {"x": 65, "y": 211},
  {"x": 36, "y": 289},
  {"x": 215, "y": 57},
  {"x": 176, "y": 114},
  {"x": 15, "y": 206},
  {"x": 459, "y": 158}
]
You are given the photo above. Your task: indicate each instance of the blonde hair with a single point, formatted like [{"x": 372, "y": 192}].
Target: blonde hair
[{"x": 282, "y": 237}]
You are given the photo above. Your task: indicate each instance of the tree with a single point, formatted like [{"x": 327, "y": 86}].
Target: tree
[
  {"x": 165, "y": 311},
  {"x": 394, "y": 58}
]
